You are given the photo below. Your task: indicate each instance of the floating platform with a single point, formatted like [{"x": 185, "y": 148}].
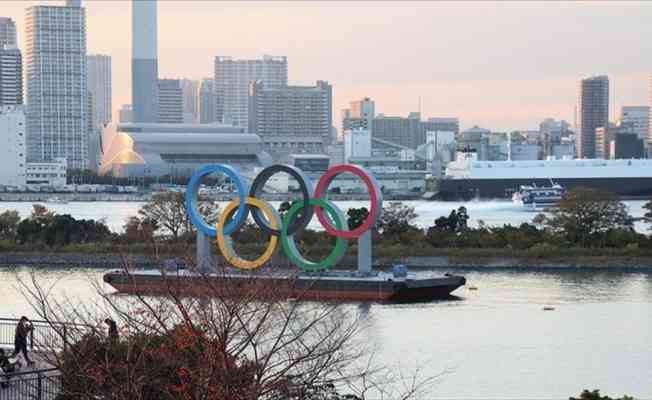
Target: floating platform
[{"x": 326, "y": 286}]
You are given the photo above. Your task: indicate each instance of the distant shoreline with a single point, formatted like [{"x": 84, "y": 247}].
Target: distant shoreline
[{"x": 113, "y": 261}]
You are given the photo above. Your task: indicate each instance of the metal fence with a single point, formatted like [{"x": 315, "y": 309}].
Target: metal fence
[
  {"x": 30, "y": 385},
  {"x": 46, "y": 336}
]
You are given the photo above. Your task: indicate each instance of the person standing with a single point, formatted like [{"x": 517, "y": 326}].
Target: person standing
[{"x": 20, "y": 339}]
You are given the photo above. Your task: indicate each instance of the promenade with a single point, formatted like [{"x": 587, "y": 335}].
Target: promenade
[{"x": 40, "y": 381}]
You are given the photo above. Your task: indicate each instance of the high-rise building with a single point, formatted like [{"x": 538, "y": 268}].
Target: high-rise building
[
  {"x": 7, "y": 32},
  {"x": 12, "y": 152},
  {"x": 359, "y": 115},
  {"x": 207, "y": 101},
  {"x": 638, "y": 117},
  {"x": 190, "y": 90},
  {"x": 593, "y": 113},
  {"x": 55, "y": 70},
  {"x": 649, "y": 134},
  {"x": 232, "y": 79},
  {"x": 11, "y": 76},
  {"x": 99, "y": 85},
  {"x": 290, "y": 110},
  {"x": 170, "y": 101},
  {"x": 125, "y": 114},
  {"x": 411, "y": 131},
  {"x": 144, "y": 61}
]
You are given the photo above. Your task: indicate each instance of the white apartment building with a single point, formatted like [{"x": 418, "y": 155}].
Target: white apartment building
[
  {"x": 232, "y": 79},
  {"x": 99, "y": 85},
  {"x": 56, "y": 74},
  {"x": 13, "y": 150}
]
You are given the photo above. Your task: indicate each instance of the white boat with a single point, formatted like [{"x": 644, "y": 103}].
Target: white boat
[
  {"x": 57, "y": 200},
  {"x": 537, "y": 197}
]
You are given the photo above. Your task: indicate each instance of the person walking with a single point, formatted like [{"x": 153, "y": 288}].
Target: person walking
[{"x": 20, "y": 339}]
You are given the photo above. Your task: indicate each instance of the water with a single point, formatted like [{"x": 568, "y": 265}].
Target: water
[
  {"x": 490, "y": 212},
  {"x": 497, "y": 342}
]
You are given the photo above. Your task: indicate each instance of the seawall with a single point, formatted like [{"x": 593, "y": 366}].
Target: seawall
[{"x": 84, "y": 260}]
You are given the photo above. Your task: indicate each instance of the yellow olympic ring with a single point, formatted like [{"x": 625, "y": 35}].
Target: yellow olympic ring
[{"x": 225, "y": 243}]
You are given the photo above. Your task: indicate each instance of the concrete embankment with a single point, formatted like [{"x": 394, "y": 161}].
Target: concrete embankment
[
  {"x": 82, "y": 197},
  {"x": 83, "y": 260}
]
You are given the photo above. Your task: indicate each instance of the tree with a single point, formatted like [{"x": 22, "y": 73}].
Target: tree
[
  {"x": 396, "y": 219},
  {"x": 648, "y": 214},
  {"x": 168, "y": 210},
  {"x": 356, "y": 217},
  {"x": 595, "y": 395},
  {"x": 214, "y": 341},
  {"x": 584, "y": 216},
  {"x": 139, "y": 229},
  {"x": 9, "y": 225}
]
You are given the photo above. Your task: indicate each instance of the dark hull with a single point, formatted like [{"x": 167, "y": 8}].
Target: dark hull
[
  {"x": 466, "y": 189},
  {"x": 301, "y": 287}
]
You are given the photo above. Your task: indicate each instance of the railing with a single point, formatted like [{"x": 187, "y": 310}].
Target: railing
[
  {"x": 30, "y": 385},
  {"x": 46, "y": 336}
]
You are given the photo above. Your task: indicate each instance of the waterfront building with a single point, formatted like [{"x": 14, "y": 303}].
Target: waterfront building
[
  {"x": 626, "y": 146},
  {"x": 11, "y": 76},
  {"x": 603, "y": 138},
  {"x": 125, "y": 114},
  {"x": 290, "y": 110},
  {"x": 7, "y": 32},
  {"x": 51, "y": 173},
  {"x": 551, "y": 133},
  {"x": 638, "y": 117},
  {"x": 475, "y": 140},
  {"x": 170, "y": 101},
  {"x": 232, "y": 79},
  {"x": 13, "y": 150},
  {"x": 99, "y": 85},
  {"x": 411, "y": 131},
  {"x": 360, "y": 115},
  {"x": 144, "y": 61},
  {"x": 280, "y": 147},
  {"x": 56, "y": 74},
  {"x": 593, "y": 111},
  {"x": 190, "y": 90},
  {"x": 177, "y": 150},
  {"x": 207, "y": 101}
]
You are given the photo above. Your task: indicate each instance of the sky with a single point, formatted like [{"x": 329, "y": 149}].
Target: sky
[{"x": 503, "y": 66}]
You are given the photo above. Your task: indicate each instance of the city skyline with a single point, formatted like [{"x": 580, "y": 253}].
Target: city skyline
[{"x": 512, "y": 85}]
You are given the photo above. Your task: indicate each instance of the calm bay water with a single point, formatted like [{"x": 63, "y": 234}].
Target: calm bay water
[
  {"x": 497, "y": 342},
  {"x": 490, "y": 212}
]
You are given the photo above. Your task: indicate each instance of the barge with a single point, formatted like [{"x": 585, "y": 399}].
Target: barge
[{"x": 326, "y": 286}]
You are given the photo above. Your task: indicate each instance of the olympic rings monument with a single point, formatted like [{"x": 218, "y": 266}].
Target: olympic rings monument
[
  {"x": 314, "y": 201},
  {"x": 314, "y": 281}
]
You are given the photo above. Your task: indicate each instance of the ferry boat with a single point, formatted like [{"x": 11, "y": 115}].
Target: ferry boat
[
  {"x": 467, "y": 178},
  {"x": 379, "y": 286},
  {"x": 533, "y": 197}
]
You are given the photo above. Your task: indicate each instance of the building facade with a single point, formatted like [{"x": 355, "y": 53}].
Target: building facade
[
  {"x": 11, "y": 76},
  {"x": 56, "y": 74},
  {"x": 232, "y": 79},
  {"x": 190, "y": 90},
  {"x": 593, "y": 111},
  {"x": 290, "y": 110},
  {"x": 13, "y": 150},
  {"x": 638, "y": 117},
  {"x": 7, "y": 32},
  {"x": 359, "y": 115},
  {"x": 144, "y": 61},
  {"x": 627, "y": 146},
  {"x": 411, "y": 131},
  {"x": 99, "y": 85},
  {"x": 207, "y": 101},
  {"x": 125, "y": 114},
  {"x": 170, "y": 101}
]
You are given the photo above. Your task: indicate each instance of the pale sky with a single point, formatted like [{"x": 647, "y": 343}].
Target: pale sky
[{"x": 503, "y": 65}]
